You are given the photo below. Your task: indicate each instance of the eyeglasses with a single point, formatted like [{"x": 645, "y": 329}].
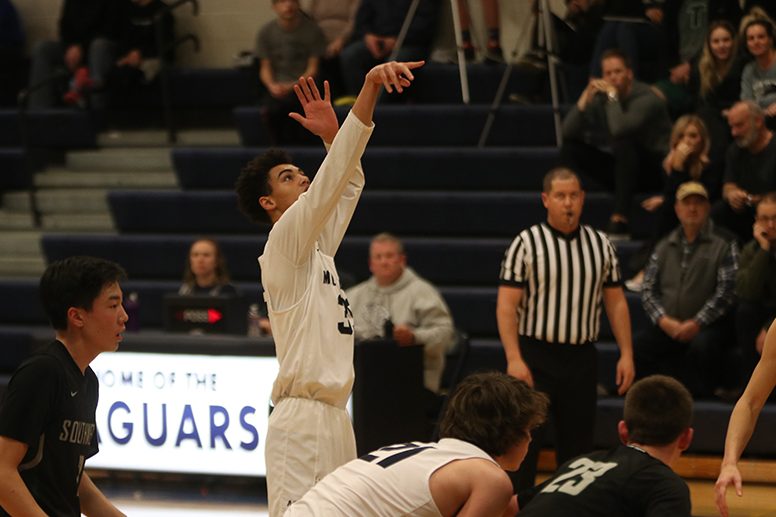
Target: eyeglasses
[{"x": 765, "y": 219}]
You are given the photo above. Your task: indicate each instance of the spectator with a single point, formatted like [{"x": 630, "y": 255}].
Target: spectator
[
  {"x": 749, "y": 169},
  {"x": 548, "y": 313},
  {"x": 715, "y": 83},
  {"x": 635, "y": 477},
  {"x": 11, "y": 53},
  {"x": 206, "y": 272},
  {"x": 758, "y": 81},
  {"x": 47, "y": 419},
  {"x": 413, "y": 308},
  {"x": 743, "y": 420},
  {"x": 635, "y": 28},
  {"x": 336, "y": 18},
  {"x": 378, "y": 23},
  {"x": 756, "y": 286},
  {"x": 85, "y": 51},
  {"x": 288, "y": 47},
  {"x": 138, "y": 49},
  {"x": 485, "y": 430},
  {"x": 689, "y": 289},
  {"x": 493, "y": 52},
  {"x": 627, "y": 116}
]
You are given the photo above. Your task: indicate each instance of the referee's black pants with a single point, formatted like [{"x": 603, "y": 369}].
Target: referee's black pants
[{"x": 568, "y": 375}]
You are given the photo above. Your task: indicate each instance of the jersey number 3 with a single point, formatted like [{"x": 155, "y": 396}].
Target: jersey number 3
[{"x": 584, "y": 471}]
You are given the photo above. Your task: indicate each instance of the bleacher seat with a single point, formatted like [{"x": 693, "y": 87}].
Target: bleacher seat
[
  {"x": 50, "y": 128},
  {"x": 469, "y": 214},
  {"x": 399, "y": 168},
  {"x": 452, "y": 125},
  {"x": 13, "y": 170}
]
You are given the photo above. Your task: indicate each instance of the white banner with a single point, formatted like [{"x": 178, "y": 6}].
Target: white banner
[{"x": 183, "y": 413}]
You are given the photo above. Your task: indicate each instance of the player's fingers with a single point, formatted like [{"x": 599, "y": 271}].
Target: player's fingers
[
  {"x": 296, "y": 116},
  {"x": 385, "y": 81},
  {"x": 300, "y": 95},
  {"x": 393, "y": 78},
  {"x": 739, "y": 487},
  {"x": 305, "y": 88},
  {"x": 405, "y": 71},
  {"x": 316, "y": 95},
  {"x": 326, "y": 91},
  {"x": 415, "y": 64}
]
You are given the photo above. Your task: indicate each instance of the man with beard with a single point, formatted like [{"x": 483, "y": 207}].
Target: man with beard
[
  {"x": 554, "y": 277},
  {"x": 750, "y": 169}
]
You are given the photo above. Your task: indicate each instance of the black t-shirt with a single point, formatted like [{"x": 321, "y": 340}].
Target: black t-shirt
[
  {"x": 755, "y": 173},
  {"x": 50, "y": 406},
  {"x": 621, "y": 482}
]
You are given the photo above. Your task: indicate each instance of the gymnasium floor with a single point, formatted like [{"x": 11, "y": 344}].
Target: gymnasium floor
[{"x": 758, "y": 501}]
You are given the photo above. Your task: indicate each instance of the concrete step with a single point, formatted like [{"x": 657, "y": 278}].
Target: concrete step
[
  {"x": 151, "y": 159},
  {"x": 61, "y": 178},
  {"x": 73, "y": 201},
  {"x": 78, "y": 223},
  {"x": 20, "y": 244},
  {"x": 16, "y": 220},
  {"x": 158, "y": 138},
  {"x": 22, "y": 266}
]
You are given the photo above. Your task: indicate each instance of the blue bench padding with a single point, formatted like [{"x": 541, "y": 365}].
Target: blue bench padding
[{"x": 393, "y": 168}]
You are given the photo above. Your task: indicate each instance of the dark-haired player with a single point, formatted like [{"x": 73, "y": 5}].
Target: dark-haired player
[
  {"x": 633, "y": 479},
  {"x": 310, "y": 432},
  {"x": 47, "y": 419},
  {"x": 485, "y": 430}
]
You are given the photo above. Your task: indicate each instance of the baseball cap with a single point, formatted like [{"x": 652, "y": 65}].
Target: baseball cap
[{"x": 689, "y": 188}]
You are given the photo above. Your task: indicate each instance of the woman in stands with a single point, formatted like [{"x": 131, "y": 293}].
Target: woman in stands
[
  {"x": 205, "y": 272},
  {"x": 758, "y": 81},
  {"x": 688, "y": 160},
  {"x": 716, "y": 84}
]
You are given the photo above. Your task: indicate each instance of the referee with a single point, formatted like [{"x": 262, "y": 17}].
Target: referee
[{"x": 553, "y": 278}]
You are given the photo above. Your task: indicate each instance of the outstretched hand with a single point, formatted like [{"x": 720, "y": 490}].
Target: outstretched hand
[
  {"x": 393, "y": 75},
  {"x": 319, "y": 117}
]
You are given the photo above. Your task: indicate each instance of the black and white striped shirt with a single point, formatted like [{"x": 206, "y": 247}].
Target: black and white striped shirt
[{"x": 562, "y": 277}]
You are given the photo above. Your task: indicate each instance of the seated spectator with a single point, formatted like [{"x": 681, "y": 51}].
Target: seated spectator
[
  {"x": 484, "y": 431},
  {"x": 689, "y": 289},
  {"x": 635, "y": 28},
  {"x": 336, "y": 19},
  {"x": 635, "y": 477},
  {"x": 414, "y": 310},
  {"x": 378, "y": 23},
  {"x": 756, "y": 286},
  {"x": 749, "y": 169},
  {"x": 493, "y": 52},
  {"x": 617, "y": 133},
  {"x": 85, "y": 51},
  {"x": 11, "y": 53},
  {"x": 205, "y": 272},
  {"x": 138, "y": 49},
  {"x": 288, "y": 47},
  {"x": 758, "y": 80},
  {"x": 715, "y": 83}
]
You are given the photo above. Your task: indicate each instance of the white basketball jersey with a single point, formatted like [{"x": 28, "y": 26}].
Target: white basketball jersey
[
  {"x": 390, "y": 482},
  {"x": 312, "y": 323}
]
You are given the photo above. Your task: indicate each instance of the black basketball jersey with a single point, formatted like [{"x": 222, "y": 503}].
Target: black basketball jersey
[
  {"x": 50, "y": 405},
  {"x": 621, "y": 482}
]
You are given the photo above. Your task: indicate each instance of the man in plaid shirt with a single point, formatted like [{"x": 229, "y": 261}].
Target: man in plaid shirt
[{"x": 689, "y": 289}]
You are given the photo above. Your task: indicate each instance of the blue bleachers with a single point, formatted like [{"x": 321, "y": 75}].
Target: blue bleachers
[
  {"x": 452, "y": 125},
  {"x": 13, "y": 170},
  {"x": 400, "y": 168},
  {"x": 460, "y": 214},
  {"x": 53, "y": 129}
]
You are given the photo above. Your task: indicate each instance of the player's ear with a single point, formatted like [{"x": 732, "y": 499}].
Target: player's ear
[
  {"x": 622, "y": 432},
  {"x": 685, "y": 439},
  {"x": 75, "y": 317},
  {"x": 267, "y": 203}
]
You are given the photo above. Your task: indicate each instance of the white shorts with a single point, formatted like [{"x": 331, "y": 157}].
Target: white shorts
[{"x": 306, "y": 440}]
